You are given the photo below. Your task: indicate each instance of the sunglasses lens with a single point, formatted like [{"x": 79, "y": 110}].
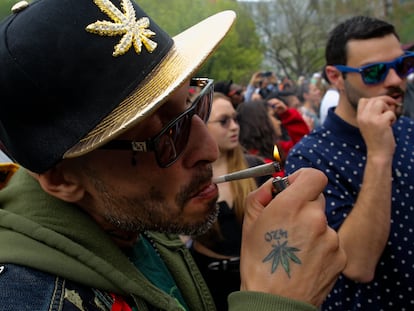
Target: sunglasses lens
[
  {"x": 375, "y": 73},
  {"x": 405, "y": 66},
  {"x": 173, "y": 141},
  {"x": 225, "y": 122},
  {"x": 203, "y": 107},
  {"x": 170, "y": 145}
]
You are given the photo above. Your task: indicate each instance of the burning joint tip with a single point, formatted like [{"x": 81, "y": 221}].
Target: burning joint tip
[{"x": 256, "y": 171}]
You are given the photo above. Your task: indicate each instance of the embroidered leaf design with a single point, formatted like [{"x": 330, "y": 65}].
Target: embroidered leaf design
[
  {"x": 135, "y": 32},
  {"x": 281, "y": 253}
]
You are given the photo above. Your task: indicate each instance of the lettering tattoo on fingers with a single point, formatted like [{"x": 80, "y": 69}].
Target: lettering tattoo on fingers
[{"x": 281, "y": 254}]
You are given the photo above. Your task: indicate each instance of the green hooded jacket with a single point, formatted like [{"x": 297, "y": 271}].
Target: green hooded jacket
[{"x": 44, "y": 233}]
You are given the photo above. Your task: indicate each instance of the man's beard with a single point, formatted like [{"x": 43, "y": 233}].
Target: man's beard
[
  {"x": 353, "y": 95},
  {"x": 152, "y": 212}
]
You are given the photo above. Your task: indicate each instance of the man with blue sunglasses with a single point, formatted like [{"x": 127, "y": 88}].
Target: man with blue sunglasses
[
  {"x": 114, "y": 161},
  {"x": 366, "y": 148}
]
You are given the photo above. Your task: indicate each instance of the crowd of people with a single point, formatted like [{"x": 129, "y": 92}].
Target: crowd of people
[
  {"x": 110, "y": 204},
  {"x": 358, "y": 113},
  {"x": 312, "y": 95},
  {"x": 272, "y": 113},
  {"x": 360, "y": 136}
]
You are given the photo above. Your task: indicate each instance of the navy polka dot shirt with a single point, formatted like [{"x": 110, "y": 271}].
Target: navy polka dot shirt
[{"x": 337, "y": 148}]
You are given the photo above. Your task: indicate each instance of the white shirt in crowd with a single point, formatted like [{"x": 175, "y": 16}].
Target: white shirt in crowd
[{"x": 330, "y": 99}]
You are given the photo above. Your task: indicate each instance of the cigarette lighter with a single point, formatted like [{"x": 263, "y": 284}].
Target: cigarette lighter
[{"x": 279, "y": 184}]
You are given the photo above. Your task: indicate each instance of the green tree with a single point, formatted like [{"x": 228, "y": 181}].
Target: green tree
[
  {"x": 237, "y": 57},
  {"x": 293, "y": 35},
  {"x": 294, "y": 32},
  {"x": 240, "y": 53},
  {"x": 403, "y": 19}
]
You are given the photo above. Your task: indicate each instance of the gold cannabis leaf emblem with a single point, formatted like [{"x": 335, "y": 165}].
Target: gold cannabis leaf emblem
[{"x": 135, "y": 32}]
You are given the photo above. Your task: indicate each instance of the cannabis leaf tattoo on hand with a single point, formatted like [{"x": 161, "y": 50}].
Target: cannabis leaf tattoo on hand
[{"x": 281, "y": 252}]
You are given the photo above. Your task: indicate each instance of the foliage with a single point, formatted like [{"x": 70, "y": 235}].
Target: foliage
[
  {"x": 5, "y": 7},
  {"x": 403, "y": 19},
  {"x": 285, "y": 36},
  {"x": 294, "y": 32},
  {"x": 240, "y": 52},
  {"x": 294, "y": 35}
]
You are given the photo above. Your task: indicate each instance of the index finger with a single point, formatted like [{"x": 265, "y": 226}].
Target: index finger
[
  {"x": 386, "y": 99},
  {"x": 306, "y": 184}
]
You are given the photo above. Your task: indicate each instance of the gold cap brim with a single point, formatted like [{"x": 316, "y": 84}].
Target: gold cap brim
[{"x": 190, "y": 50}]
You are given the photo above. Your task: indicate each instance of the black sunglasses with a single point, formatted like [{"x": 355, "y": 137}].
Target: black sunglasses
[
  {"x": 171, "y": 141},
  {"x": 226, "y": 121},
  {"x": 377, "y": 72}
]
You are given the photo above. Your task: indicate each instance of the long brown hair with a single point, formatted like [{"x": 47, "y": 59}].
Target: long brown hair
[
  {"x": 240, "y": 188},
  {"x": 236, "y": 161}
]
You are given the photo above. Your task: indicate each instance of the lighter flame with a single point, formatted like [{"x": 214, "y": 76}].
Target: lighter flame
[{"x": 276, "y": 154}]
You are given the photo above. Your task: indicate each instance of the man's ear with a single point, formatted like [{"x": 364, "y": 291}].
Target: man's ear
[
  {"x": 334, "y": 76},
  {"x": 57, "y": 184}
]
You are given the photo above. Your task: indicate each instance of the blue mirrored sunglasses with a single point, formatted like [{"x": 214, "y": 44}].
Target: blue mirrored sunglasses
[
  {"x": 377, "y": 72},
  {"x": 171, "y": 141}
]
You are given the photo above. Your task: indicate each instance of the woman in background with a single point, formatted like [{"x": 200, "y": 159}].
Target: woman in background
[
  {"x": 270, "y": 123},
  {"x": 217, "y": 252},
  {"x": 258, "y": 134}
]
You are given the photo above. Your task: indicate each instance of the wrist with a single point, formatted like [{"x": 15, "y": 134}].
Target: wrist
[{"x": 380, "y": 160}]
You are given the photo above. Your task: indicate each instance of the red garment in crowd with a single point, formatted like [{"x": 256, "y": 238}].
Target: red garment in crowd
[{"x": 295, "y": 126}]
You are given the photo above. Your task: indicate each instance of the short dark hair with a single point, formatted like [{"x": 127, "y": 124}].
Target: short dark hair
[
  {"x": 223, "y": 87},
  {"x": 359, "y": 28}
]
